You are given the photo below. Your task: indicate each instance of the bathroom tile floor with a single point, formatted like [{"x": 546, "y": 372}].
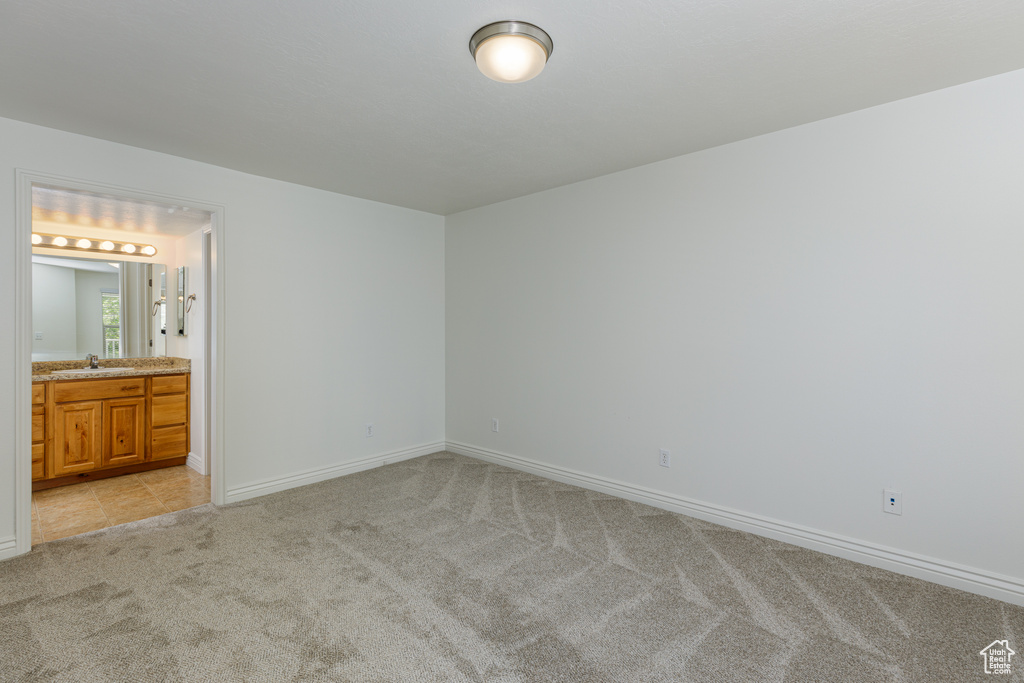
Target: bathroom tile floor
[{"x": 78, "y": 508}]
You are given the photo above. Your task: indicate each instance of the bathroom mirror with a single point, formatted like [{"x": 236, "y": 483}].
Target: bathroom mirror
[
  {"x": 82, "y": 306},
  {"x": 181, "y": 302}
]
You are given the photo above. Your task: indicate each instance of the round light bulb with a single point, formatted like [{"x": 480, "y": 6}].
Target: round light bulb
[
  {"x": 83, "y": 244},
  {"x": 37, "y": 239},
  {"x": 128, "y": 248},
  {"x": 107, "y": 246},
  {"x": 60, "y": 242},
  {"x": 510, "y": 58},
  {"x": 149, "y": 251}
]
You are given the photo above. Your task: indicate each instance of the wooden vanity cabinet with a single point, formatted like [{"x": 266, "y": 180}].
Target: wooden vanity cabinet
[{"x": 104, "y": 427}]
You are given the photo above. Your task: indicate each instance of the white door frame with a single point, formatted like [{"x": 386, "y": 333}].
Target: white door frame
[{"x": 23, "y": 337}]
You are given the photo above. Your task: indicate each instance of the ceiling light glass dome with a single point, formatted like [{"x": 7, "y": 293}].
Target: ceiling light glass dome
[{"x": 510, "y": 51}]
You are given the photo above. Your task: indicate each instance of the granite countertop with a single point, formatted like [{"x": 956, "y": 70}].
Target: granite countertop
[{"x": 42, "y": 371}]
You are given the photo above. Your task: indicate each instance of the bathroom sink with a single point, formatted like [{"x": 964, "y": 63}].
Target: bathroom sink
[{"x": 82, "y": 371}]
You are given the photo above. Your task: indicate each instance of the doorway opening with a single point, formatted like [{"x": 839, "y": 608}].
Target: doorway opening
[{"x": 135, "y": 282}]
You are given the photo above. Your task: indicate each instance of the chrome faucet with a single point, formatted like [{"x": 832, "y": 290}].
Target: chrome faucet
[{"x": 94, "y": 361}]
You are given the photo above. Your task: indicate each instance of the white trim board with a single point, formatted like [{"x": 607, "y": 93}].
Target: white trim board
[
  {"x": 23, "y": 364},
  {"x": 291, "y": 481},
  {"x": 970, "y": 579},
  {"x": 8, "y": 547},
  {"x": 197, "y": 463}
]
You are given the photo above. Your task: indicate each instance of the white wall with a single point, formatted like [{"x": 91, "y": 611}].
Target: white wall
[
  {"x": 189, "y": 253},
  {"x": 89, "y": 309},
  {"x": 802, "y": 319},
  {"x": 306, "y": 365},
  {"x": 53, "y": 313}
]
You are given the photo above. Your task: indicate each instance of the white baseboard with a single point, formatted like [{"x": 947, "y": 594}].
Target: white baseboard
[
  {"x": 971, "y": 579},
  {"x": 8, "y": 547},
  {"x": 197, "y": 463},
  {"x": 312, "y": 476}
]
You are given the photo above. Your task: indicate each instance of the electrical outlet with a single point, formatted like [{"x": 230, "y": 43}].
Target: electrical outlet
[
  {"x": 369, "y": 430},
  {"x": 892, "y": 502},
  {"x": 665, "y": 458},
  {"x": 494, "y": 424}
]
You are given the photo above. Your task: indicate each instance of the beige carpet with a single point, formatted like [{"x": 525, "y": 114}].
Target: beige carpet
[{"x": 445, "y": 568}]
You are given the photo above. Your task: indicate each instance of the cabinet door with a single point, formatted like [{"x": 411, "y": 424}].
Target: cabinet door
[
  {"x": 77, "y": 436},
  {"x": 124, "y": 428}
]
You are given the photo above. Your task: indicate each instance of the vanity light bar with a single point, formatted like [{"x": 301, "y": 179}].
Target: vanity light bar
[{"x": 40, "y": 239}]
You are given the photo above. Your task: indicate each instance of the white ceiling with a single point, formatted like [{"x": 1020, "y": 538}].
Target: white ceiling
[
  {"x": 93, "y": 210},
  {"x": 381, "y": 99}
]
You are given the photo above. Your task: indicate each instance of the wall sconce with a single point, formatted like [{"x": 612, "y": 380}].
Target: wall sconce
[{"x": 40, "y": 239}]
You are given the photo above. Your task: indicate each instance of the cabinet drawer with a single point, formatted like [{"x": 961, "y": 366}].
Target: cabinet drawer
[
  {"x": 38, "y": 393},
  {"x": 97, "y": 389},
  {"x": 170, "y": 410},
  {"x": 38, "y": 422},
  {"x": 170, "y": 442},
  {"x": 38, "y": 464},
  {"x": 170, "y": 384}
]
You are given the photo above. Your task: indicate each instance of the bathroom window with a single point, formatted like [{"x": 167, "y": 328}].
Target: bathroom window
[{"x": 111, "y": 323}]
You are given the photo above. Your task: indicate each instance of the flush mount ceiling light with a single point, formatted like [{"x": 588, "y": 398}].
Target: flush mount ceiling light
[{"x": 510, "y": 51}]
